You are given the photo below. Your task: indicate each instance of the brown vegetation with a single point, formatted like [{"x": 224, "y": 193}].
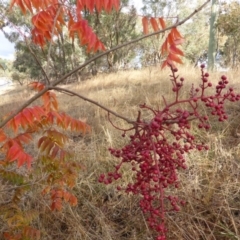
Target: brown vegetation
[{"x": 210, "y": 185}]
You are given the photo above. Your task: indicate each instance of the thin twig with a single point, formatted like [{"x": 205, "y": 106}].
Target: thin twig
[
  {"x": 93, "y": 102},
  {"x": 50, "y": 45},
  {"x": 38, "y": 62},
  {"x": 56, "y": 82},
  {"x": 71, "y": 93}
]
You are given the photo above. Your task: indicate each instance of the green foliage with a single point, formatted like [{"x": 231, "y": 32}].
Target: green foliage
[
  {"x": 113, "y": 29},
  {"x": 195, "y": 32},
  {"x": 5, "y": 67},
  {"x": 228, "y": 27}
]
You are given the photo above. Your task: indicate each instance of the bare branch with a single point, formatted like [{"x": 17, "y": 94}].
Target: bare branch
[
  {"x": 71, "y": 93},
  {"x": 51, "y": 42},
  {"x": 56, "y": 82},
  {"x": 38, "y": 62}
]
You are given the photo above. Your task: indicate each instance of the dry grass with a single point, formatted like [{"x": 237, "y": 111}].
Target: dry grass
[{"x": 211, "y": 184}]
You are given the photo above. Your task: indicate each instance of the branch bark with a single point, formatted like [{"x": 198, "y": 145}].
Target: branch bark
[
  {"x": 71, "y": 93},
  {"x": 56, "y": 82}
]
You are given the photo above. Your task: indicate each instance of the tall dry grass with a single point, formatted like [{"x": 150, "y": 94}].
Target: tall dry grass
[{"x": 210, "y": 185}]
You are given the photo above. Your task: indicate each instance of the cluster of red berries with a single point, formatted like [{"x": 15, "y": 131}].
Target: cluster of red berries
[{"x": 156, "y": 149}]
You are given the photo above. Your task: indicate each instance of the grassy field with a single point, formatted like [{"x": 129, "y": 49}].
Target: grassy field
[{"x": 210, "y": 185}]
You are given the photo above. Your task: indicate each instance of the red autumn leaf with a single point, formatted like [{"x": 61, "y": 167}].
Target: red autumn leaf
[
  {"x": 85, "y": 35},
  {"x": 56, "y": 194},
  {"x": 54, "y": 101},
  {"x": 57, "y": 137},
  {"x": 62, "y": 154},
  {"x": 70, "y": 23},
  {"x": 174, "y": 58},
  {"x": 24, "y": 158},
  {"x": 145, "y": 25},
  {"x": 37, "y": 112},
  {"x": 46, "y": 190},
  {"x": 164, "y": 64},
  {"x": 116, "y": 4},
  {"x": 46, "y": 145},
  {"x": 58, "y": 118},
  {"x": 49, "y": 147},
  {"x": 176, "y": 33},
  {"x": 106, "y": 5},
  {"x": 37, "y": 86},
  {"x": 66, "y": 196},
  {"x": 14, "y": 152},
  {"x": 3, "y": 136},
  {"x": 43, "y": 21},
  {"x": 162, "y": 23},
  {"x": 73, "y": 200},
  {"x": 27, "y": 115},
  {"x": 17, "y": 119},
  {"x": 98, "y": 5},
  {"x": 46, "y": 100},
  {"x": 50, "y": 118},
  {"x": 54, "y": 152},
  {"x": 12, "y": 124},
  {"x": 24, "y": 122},
  {"x": 170, "y": 38},
  {"x": 67, "y": 120},
  {"x": 38, "y": 39},
  {"x": 56, "y": 205},
  {"x": 164, "y": 48},
  {"x": 174, "y": 50},
  {"x": 12, "y": 3},
  {"x": 90, "y": 5},
  {"x": 179, "y": 41},
  {"x": 22, "y": 6},
  {"x": 40, "y": 141},
  {"x": 168, "y": 62},
  {"x": 154, "y": 24},
  {"x": 24, "y": 138},
  {"x": 28, "y": 5}
]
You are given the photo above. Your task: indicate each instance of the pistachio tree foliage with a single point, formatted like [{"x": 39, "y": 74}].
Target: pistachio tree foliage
[{"x": 155, "y": 148}]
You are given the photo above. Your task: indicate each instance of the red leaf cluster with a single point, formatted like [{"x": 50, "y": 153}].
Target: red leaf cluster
[
  {"x": 50, "y": 15},
  {"x": 85, "y": 35},
  {"x": 156, "y": 23},
  {"x": 58, "y": 195},
  {"x": 170, "y": 48},
  {"x": 17, "y": 153},
  {"x": 100, "y": 5}
]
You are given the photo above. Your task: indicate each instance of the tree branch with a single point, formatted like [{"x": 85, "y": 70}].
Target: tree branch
[
  {"x": 47, "y": 80},
  {"x": 56, "y": 82},
  {"x": 71, "y": 93},
  {"x": 51, "y": 42}
]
